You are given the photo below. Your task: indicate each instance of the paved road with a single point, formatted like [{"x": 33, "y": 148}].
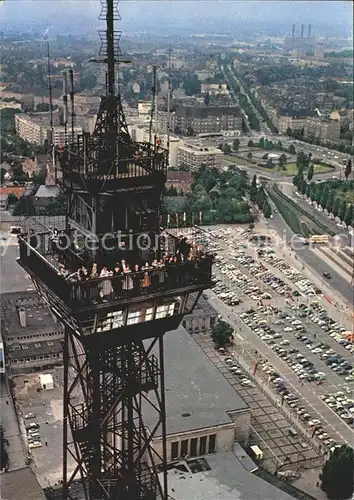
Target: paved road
[
  {"x": 310, "y": 259},
  {"x": 16, "y": 450},
  {"x": 289, "y": 190},
  {"x": 317, "y": 408}
]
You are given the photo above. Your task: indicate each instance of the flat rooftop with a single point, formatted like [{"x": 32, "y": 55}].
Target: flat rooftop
[
  {"x": 21, "y": 484},
  {"x": 13, "y": 277},
  {"x": 202, "y": 308},
  {"x": 223, "y": 478},
  {"x": 194, "y": 387},
  {"x": 37, "y": 314}
]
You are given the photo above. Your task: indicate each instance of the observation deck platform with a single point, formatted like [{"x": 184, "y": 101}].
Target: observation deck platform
[
  {"x": 118, "y": 300},
  {"x": 146, "y": 167}
]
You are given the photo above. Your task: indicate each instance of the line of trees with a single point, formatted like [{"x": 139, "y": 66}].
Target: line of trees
[
  {"x": 330, "y": 196},
  {"x": 259, "y": 198}
]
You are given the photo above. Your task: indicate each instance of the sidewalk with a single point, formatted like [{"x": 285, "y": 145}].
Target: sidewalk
[{"x": 16, "y": 450}]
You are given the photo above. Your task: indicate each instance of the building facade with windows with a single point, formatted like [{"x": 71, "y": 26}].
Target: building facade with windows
[
  {"x": 31, "y": 334},
  {"x": 193, "y": 155},
  {"x": 205, "y": 119},
  {"x": 202, "y": 318},
  {"x": 204, "y": 413}
]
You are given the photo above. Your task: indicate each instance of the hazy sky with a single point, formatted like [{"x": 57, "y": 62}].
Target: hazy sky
[{"x": 183, "y": 11}]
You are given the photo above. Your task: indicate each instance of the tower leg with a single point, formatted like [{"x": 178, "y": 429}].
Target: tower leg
[
  {"x": 65, "y": 413},
  {"x": 163, "y": 418}
]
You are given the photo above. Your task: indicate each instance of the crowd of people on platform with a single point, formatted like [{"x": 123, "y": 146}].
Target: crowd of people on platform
[{"x": 105, "y": 282}]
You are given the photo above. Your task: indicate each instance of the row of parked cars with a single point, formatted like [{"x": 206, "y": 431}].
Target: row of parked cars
[
  {"x": 342, "y": 404},
  {"x": 304, "y": 285},
  {"x": 32, "y": 429},
  {"x": 237, "y": 371},
  {"x": 293, "y": 401},
  {"x": 303, "y": 368}
]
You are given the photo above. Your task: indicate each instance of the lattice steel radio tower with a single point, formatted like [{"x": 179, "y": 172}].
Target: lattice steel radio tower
[{"x": 114, "y": 324}]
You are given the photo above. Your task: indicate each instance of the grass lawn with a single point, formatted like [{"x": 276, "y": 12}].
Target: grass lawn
[
  {"x": 238, "y": 161},
  {"x": 319, "y": 169}
]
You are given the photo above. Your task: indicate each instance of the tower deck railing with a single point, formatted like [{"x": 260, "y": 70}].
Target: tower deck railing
[
  {"x": 40, "y": 261},
  {"x": 144, "y": 162}
]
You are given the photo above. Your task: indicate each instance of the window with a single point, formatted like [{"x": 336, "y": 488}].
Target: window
[
  {"x": 194, "y": 445},
  {"x": 174, "y": 451},
  {"x": 149, "y": 314},
  {"x": 134, "y": 318},
  {"x": 212, "y": 443},
  {"x": 184, "y": 448},
  {"x": 203, "y": 445}
]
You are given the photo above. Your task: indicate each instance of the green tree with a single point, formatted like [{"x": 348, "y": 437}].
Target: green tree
[
  {"x": 249, "y": 155},
  {"x": 253, "y": 189},
  {"x": 342, "y": 210},
  {"x": 282, "y": 161},
  {"x": 337, "y": 474},
  {"x": 39, "y": 179},
  {"x": 289, "y": 132},
  {"x": 207, "y": 99},
  {"x": 190, "y": 131},
  {"x": 221, "y": 333},
  {"x": 348, "y": 169},
  {"x": 270, "y": 163},
  {"x": 12, "y": 199},
  {"x": 308, "y": 190},
  {"x": 348, "y": 217},
  {"x": 267, "y": 211},
  {"x": 236, "y": 144},
  {"x": 324, "y": 197},
  {"x": 226, "y": 149},
  {"x": 250, "y": 143},
  {"x": 330, "y": 201},
  {"x": 303, "y": 186},
  {"x": 280, "y": 145},
  {"x": 291, "y": 149},
  {"x": 2, "y": 175},
  {"x": 310, "y": 172},
  {"x": 336, "y": 207},
  {"x": 260, "y": 198}
]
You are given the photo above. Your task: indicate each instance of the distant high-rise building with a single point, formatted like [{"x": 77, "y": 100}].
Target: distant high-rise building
[{"x": 319, "y": 51}]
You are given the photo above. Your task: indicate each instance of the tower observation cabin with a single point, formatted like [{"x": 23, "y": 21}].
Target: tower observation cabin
[{"x": 118, "y": 280}]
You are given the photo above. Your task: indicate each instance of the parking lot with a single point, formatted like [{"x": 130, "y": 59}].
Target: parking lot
[
  {"x": 270, "y": 427},
  {"x": 283, "y": 316},
  {"x": 42, "y": 414}
]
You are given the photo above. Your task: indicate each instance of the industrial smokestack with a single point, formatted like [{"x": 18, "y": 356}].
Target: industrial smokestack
[
  {"x": 65, "y": 104},
  {"x": 294, "y": 26},
  {"x": 302, "y": 31},
  {"x": 22, "y": 315},
  {"x": 309, "y": 33}
]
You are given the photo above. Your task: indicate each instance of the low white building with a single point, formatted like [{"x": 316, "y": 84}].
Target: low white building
[
  {"x": 194, "y": 154},
  {"x": 46, "y": 382}
]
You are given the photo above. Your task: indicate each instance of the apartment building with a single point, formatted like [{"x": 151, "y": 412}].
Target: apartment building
[
  {"x": 322, "y": 129},
  {"x": 215, "y": 89},
  {"x": 295, "y": 119},
  {"x": 199, "y": 120},
  {"x": 35, "y": 128},
  {"x": 193, "y": 154}
]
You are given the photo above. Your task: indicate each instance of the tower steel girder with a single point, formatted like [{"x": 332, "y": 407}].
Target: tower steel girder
[{"x": 110, "y": 444}]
